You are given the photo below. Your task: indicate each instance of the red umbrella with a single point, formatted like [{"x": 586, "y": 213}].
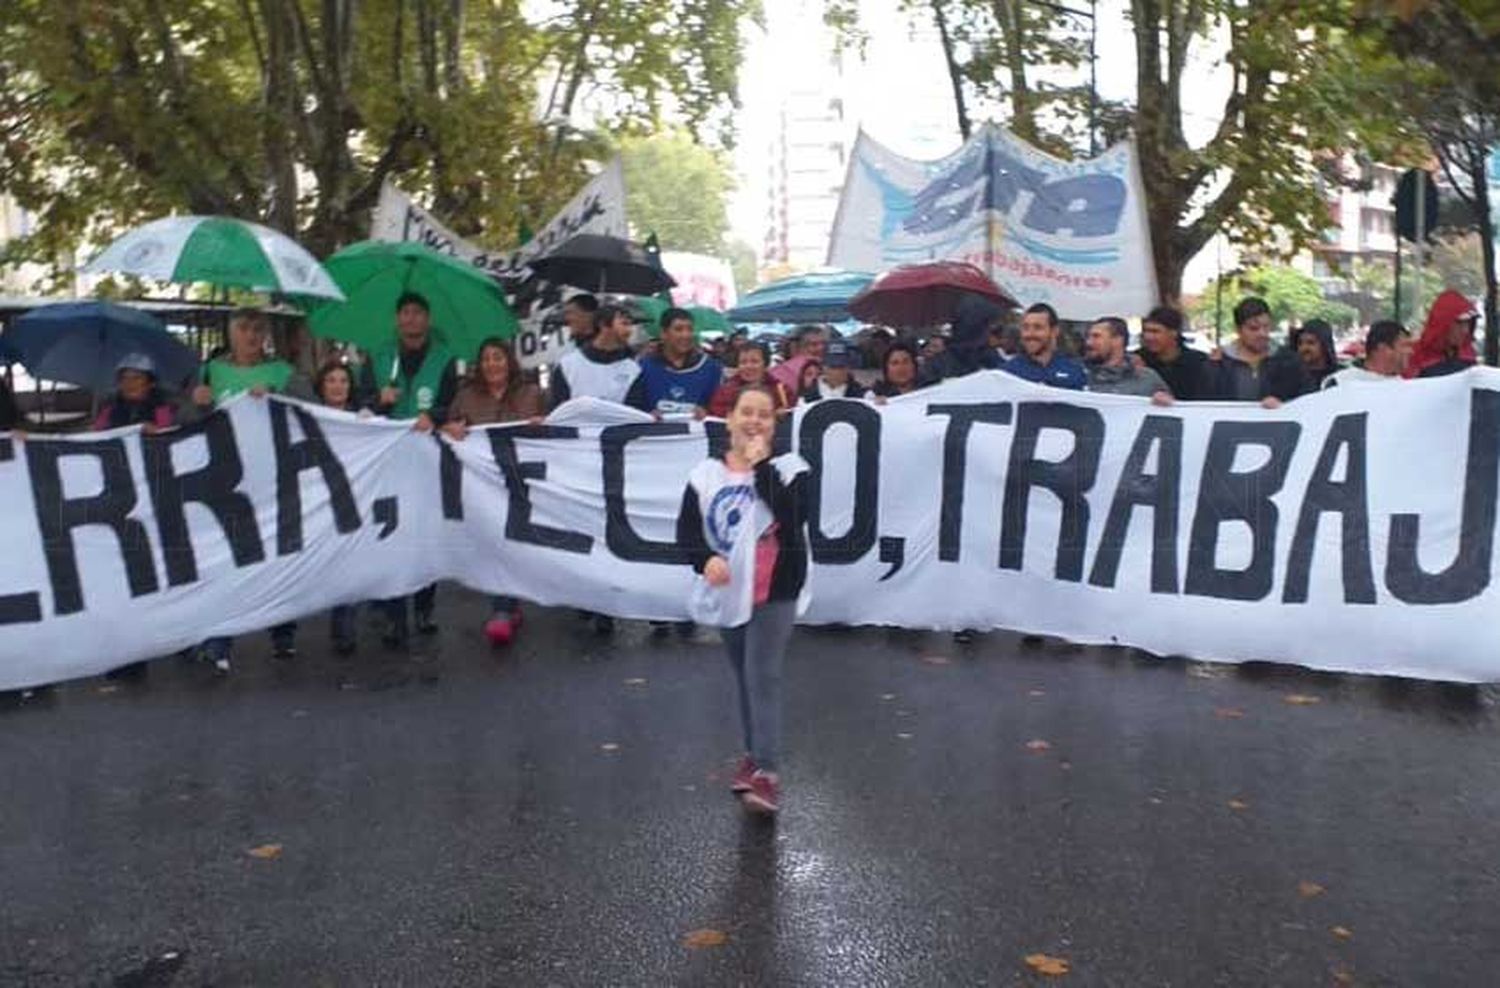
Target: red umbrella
[{"x": 919, "y": 295}]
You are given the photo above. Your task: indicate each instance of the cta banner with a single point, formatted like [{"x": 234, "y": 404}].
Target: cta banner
[
  {"x": 599, "y": 207},
  {"x": 1341, "y": 532},
  {"x": 1069, "y": 233}
]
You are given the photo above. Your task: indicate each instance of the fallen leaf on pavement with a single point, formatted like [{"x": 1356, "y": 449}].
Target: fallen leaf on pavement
[
  {"x": 637, "y": 681},
  {"x": 1301, "y": 699},
  {"x": 705, "y": 938},
  {"x": 1036, "y": 692},
  {"x": 1309, "y": 889},
  {"x": 1065, "y": 766},
  {"x": 1228, "y": 713},
  {"x": 265, "y": 852},
  {"x": 608, "y": 747},
  {"x": 1238, "y": 804},
  {"x": 1343, "y": 976},
  {"x": 904, "y": 736},
  {"x": 1038, "y": 745},
  {"x": 1342, "y": 932},
  {"x": 937, "y": 660},
  {"x": 1047, "y": 964},
  {"x": 888, "y": 697},
  {"x": 107, "y": 688}
]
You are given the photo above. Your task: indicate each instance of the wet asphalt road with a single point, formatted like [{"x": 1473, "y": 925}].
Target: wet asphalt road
[{"x": 558, "y": 815}]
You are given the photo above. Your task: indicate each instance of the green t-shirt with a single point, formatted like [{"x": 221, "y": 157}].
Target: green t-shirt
[{"x": 228, "y": 379}]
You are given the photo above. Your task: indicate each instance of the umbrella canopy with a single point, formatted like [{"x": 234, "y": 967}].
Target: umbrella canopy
[
  {"x": 217, "y": 250},
  {"x": 467, "y": 305},
  {"x": 818, "y": 297},
  {"x": 83, "y": 342},
  {"x": 706, "y": 321},
  {"x": 918, "y": 295},
  {"x": 598, "y": 263}
]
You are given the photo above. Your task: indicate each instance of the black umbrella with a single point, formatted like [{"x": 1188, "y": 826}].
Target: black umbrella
[{"x": 603, "y": 264}]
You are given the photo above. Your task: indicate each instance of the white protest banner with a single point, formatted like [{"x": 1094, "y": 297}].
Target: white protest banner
[
  {"x": 599, "y": 207},
  {"x": 701, "y": 279},
  {"x": 1342, "y": 531},
  {"x": 1069, "y": 233}
]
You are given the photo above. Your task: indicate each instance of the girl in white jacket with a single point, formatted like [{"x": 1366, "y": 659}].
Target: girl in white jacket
[{"x": 743, "y": 526}]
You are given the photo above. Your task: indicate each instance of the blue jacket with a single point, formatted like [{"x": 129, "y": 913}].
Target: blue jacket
[
  {"x": 1062, "y": 372},
  {"x": 672, "y": 392}
]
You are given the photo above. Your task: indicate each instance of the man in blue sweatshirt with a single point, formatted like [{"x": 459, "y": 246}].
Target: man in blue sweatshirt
[
  {"x": 1038, "y": 359},
  {"x": 679, "y": 380}
]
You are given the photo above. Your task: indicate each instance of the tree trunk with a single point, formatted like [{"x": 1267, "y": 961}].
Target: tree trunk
[
  {"x": 1482, "y": 206},
  {"x": 955, "y": 73},
  {"x": 1011, "y": 14}
]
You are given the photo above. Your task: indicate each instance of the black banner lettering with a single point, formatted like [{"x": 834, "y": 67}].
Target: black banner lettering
[
  {"x": 961, "y": 419},
  {"x": 1349, "y": 499},
  {"x": 57, "y": 515},
  {"x": 1160, "y": 491},
  {"x": 1069, "y": 478},
  {"x": 518, "y": 524},
  {"x": 17, "y": 608},
  {"x": 213, "y": 485},
  {"x": 1224, "y": 495},
  {"x": 860, "y": 539},
  {"x": 621, "y": 537},
  {"x": 312, "y": 452},
  {"x": 1469, "y": 573}
]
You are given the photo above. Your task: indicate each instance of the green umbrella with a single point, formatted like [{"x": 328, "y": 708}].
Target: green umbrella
[
  {"x": 467, "y": 306},
  {"x": 706, "y": 321}
]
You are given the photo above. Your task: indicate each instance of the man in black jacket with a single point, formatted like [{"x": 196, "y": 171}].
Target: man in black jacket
[
  {"x": 1247, "y": 370},
  {"x": 1185, "y": 370}
]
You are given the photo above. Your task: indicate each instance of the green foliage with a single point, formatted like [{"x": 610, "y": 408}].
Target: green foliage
[
  {"x": 1293, "y": 297},
  {"x": 294, "y": 111},
  {"x": 678, "y": 188},
  {"x": 742, "y": 262}
]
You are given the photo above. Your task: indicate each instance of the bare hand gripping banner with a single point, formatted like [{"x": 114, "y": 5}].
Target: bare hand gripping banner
[{"x": 1351, "y": 530}]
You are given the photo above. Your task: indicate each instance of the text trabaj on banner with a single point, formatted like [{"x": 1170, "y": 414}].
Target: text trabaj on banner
[
  {"x": 1340, "y": 532},
  {"x": 1073, "y": 234},
  {"x": 599, "y": 207}
]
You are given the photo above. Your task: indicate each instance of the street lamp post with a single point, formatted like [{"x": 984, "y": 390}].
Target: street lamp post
[{"x": 1090, "y": 15}]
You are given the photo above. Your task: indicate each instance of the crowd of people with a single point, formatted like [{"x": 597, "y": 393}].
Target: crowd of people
[{"x": 760, "y": 561}]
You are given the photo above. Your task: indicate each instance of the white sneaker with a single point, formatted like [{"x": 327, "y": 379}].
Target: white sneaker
[{"x": 222, "y": 666}]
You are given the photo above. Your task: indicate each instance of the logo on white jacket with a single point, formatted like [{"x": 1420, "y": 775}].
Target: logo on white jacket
[{"x": 728, "y": 510}]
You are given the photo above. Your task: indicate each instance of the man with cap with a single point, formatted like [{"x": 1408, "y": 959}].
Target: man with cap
[
  {"x": 137, "y": 400},
  {"x": 1110, "y": 369},
  {"x": 414, "y": 379},
  {"x": 835, "y": 381},
  {"x": 1039, "y": 360}
]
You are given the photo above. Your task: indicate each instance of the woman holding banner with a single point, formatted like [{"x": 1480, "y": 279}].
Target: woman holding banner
[
  {"x": 742, "y": 526},
  {"x": 495, "y": 392},
  {"x": 751, "y": 370}
]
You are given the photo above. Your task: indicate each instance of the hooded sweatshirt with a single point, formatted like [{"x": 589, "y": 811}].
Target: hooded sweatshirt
[
  {"x": 1430, "y": 357},
  {"x": 1324, "y": 334},
  {"x": 968, "y": 347}
]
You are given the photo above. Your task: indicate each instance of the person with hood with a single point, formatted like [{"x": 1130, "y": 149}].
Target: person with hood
[
  {"x": 1039, "y": 359},
  {"x": 1314, "y": 346},
  {"x": 750, "y": 371},
  {"x": 1447, "y": 342},
  {"x": 807, "y": 345},
  {"x": 137, "y": 400},
  {"x": 968, "y": 348},
  {"x": 603, "y": 367},
  {"x": 1110, "y": 368},
  {"x": 1245, "y": 369},
  {"x": 679, "y": 381},
  {"x": 835, "y": 381},
  {"x": 1387, "y": 352},
  {"x": 1185, "y": 370}
]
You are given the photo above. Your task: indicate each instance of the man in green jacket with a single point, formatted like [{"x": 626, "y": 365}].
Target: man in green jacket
[{"x": 416, "y": 378}]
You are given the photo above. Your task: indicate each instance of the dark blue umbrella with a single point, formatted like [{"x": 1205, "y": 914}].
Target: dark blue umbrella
[{"x": 83, "y": 342}]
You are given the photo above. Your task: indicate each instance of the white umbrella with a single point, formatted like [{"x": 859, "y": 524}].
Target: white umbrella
[{"x": 217, "y": 250}]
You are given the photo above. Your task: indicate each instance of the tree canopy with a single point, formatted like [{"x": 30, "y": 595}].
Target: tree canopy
[
  {"x": 678, "y": 189},
  {"x": 293, "y": 112}
]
